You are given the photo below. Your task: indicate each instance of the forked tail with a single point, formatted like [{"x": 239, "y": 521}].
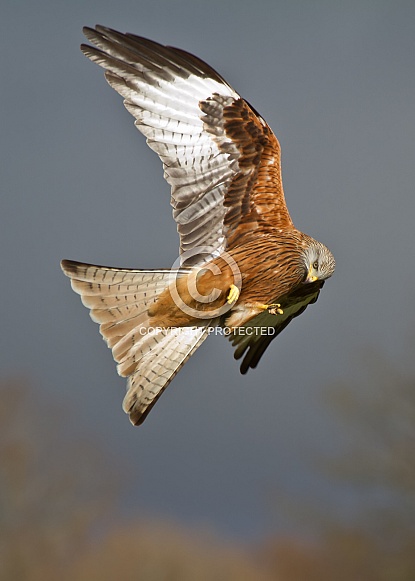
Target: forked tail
[{"x": 150, "y": 357}]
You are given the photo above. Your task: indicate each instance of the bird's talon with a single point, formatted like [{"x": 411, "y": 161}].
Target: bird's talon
[
  {"x": 274, "y": 309},
  {"x": 233, "y": 294}
]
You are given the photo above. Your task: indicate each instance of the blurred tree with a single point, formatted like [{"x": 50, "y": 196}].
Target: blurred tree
[
  {"x": 56, "y": 497},
  {"x": 157, "y": 552},
  {"x": 51, "y": 492},
  {"x": 378, "y": 464}
]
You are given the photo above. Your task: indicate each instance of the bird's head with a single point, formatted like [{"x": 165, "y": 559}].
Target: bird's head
[{"x": 319, "y": 262}]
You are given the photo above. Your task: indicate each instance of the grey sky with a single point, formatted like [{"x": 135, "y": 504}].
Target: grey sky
[{"x": 336, "y": 82}]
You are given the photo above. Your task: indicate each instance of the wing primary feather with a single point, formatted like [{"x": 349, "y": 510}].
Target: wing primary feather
[{"x": 252, "y": 343}]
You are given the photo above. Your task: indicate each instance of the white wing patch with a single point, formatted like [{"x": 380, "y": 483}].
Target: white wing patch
[{"x": 164, "y": 92}]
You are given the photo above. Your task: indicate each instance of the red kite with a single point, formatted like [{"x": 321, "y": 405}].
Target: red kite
[{"x": 244, "y": 266}]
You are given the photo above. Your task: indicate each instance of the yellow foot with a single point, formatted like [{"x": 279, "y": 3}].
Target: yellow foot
[
  {"x": 273, "y": 309},
  {"x": 233, "y": 294}
]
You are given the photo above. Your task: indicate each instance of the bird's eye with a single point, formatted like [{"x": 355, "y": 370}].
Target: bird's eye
[{"x": 315, "y": 265}]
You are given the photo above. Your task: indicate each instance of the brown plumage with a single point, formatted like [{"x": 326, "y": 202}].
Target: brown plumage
[{"x": 243, "y": 265}]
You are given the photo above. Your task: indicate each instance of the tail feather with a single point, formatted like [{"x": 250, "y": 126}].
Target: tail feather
[
  {"x": 115, "y": 331},
  {"x": 171, "y": 348},
  {"x": 119, "y": 300}
]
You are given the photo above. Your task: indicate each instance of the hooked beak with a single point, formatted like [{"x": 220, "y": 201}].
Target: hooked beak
[{"x": 310, "y": 277}]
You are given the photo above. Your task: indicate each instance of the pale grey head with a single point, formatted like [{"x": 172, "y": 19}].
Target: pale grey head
[{"x": 318, "y": 261}]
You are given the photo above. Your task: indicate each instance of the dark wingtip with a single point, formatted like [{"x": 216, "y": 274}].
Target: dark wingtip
[
  {"x": 70, "y": 267},
  {"x": 244, "y": 369},
  {"x": 137, "y": 418},
  {"x": 86, "y": 30}
]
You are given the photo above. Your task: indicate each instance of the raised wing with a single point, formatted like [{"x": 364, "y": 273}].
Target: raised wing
[
  {"x": 219, "y": 156},
  {"x": 252, "y": 339}
]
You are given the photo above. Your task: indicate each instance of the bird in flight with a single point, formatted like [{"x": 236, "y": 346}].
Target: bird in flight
[{"x": 243, "y": 269}]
